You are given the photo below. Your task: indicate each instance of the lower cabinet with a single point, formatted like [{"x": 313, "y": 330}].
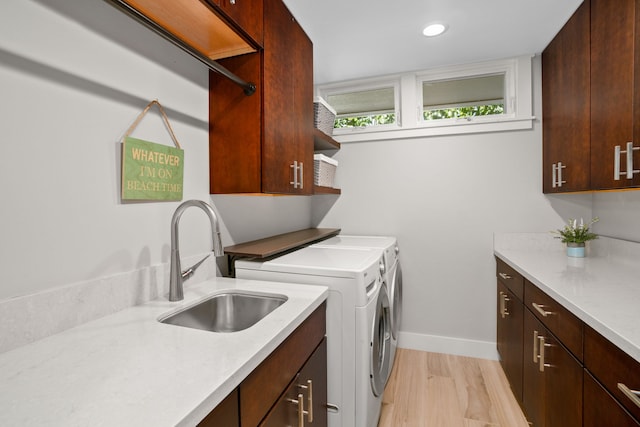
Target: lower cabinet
[
  {"x": 552, "y": 378},
  {"x": 567, "y": 374},
  {"x": 304, "y": 403},
  {"x": 602, "y": 409},
  {"x": 509, "y": 337},
  {"x": 298, "y": 367}
]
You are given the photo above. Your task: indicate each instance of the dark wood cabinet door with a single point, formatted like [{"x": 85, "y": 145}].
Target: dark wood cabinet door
[
  {"x": 563, "y": 385},
  {"x": 510, "y": 323},
  {"x": 305, "y": 400},
  {"x": 613, "y": 54},
  {"x": 601, "y": 409},
  {"x": 288, "y": 103},
  {"x": 533, "y": 393},
  {"x": 246, "y": 14},
  {"x": 552, "y": 394},
  {"x": 566, "y": 106}
]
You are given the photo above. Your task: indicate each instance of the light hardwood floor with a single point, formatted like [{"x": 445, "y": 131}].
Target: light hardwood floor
[{"x": 441, "y": 390}]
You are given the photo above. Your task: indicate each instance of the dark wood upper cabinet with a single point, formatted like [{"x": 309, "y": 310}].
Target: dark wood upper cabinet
[
  {"x": 614, "y": 106},
  {"x": 566, "y": 107},
  {"x": 264, "y": 143},
  {"x": 591, "y": 104},
  {"x": 246, "y": 14}
]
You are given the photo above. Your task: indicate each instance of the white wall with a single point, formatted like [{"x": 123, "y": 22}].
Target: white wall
[
  {"x": 73, "y": 77},
  {"x": 444, "y": 197}
]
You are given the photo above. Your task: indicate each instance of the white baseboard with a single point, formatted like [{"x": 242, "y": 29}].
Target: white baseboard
[{"x": 448, "y": 345}]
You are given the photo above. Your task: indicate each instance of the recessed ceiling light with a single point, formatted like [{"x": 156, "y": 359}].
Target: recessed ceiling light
[{"x": 433, "y": 30}]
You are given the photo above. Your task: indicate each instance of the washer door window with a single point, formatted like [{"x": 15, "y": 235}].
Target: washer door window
[
  {"x": 396, "y": 296},
  {"x": 380, "y": 343}
]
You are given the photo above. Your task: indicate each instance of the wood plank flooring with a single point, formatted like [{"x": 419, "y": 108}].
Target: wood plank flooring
[{"x": 441, "y": 390}]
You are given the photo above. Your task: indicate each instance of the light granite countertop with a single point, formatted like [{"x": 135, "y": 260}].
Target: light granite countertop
[
  {"x": 602, "y": 289},
  {"x": 127, "y": 369}
]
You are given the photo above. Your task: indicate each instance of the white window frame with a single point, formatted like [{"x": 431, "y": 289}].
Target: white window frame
[
  {"x": 360, "y": 86},
  {"x": 409, "y": 118}
]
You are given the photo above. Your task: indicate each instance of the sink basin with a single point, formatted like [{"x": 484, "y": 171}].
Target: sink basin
[{"x": 227, "y": 312}]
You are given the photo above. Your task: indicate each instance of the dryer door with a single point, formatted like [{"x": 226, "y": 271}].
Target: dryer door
[
  {"x": 396, "y": 300},
  {"x": 380, "y": 343}
]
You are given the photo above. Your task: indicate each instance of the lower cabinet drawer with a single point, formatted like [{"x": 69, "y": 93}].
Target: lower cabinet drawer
[
  {"x": 560, "y": 321},
  {"x": 263, "y": 387},
  {"x": 602, "y": 409},
  {"x": 613, "y": 368}
]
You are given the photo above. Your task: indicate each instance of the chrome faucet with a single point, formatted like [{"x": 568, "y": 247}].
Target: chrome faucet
[{"x": 176, "y": 276}]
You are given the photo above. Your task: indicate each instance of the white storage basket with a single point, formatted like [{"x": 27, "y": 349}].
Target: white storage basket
[
  {"x": 324, "y": 117},
  {"x": 324, "y": 170}
]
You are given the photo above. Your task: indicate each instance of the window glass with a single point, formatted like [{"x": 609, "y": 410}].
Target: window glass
[
  {"x": 463, "y": 97},
  {"x": 360, "y": 108}
]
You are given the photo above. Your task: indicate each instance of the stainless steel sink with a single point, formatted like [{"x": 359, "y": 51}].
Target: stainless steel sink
[{"x": 227, "y": 312}]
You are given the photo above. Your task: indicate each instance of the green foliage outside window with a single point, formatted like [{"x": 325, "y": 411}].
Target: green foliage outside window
[
  {"x": 457, "y": 112},
  {"x": 362, "y": 121}
]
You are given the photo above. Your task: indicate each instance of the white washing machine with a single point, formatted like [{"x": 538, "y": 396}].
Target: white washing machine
[
  {"x": 392, "y": 272},
  {"x": 358, "y": 324}
]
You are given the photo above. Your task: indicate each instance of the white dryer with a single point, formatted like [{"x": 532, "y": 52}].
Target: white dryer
[
  {"x": 358, "y": 323},
  {"x": 392, "y": 272}
]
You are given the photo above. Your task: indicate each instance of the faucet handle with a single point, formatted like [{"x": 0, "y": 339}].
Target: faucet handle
[{"x": 191, "y": 270}]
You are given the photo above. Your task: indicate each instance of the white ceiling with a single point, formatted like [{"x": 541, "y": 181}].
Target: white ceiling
[{"x": 362, "y": 38}]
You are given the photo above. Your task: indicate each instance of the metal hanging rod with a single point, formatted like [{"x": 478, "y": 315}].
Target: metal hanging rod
[{"x": 248, "y": 87}]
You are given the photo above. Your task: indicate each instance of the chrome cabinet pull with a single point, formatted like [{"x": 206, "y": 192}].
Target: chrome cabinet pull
[
  {"x": 541, "y": 362},
  {"x": 540, "y": 309},
  {"x": 301, "y": 412},
  {"x": 301, "y": 170},
  {"x": 298, "y": 174},
  {"x": 617, "y": 173},
  {"x": 294, "y": 166},
  {"x": 309, "y": 387},
  {"x": 233, "y": 2},
  {"x": 556, "y": 175},
  {"x": 505, "y": 276},
  {"x": 633, "y": 395},
  {"x": 504, "y": 298},
  {"x": 536, "y": 356}
]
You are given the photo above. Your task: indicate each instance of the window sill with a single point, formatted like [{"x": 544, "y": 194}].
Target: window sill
[{"x": 451, "y": 128}]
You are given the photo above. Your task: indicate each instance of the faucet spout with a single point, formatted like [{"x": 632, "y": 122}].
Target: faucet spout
[{"x": 176, "y": 277}]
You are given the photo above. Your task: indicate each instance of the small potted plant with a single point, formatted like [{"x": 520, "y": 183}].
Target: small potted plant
[{"x": 575, "y": 235}]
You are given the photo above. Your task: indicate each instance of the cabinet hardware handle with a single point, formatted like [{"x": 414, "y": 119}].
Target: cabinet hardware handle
[
  {"x": 309, "y": 387},
  {"x": 536, "y": 356},
  {"x": 294, "y": 166},
  {"x": 557, "y": 175},
  {"x": 233, "y": 2},
  {"x": 310, "y": 401},
  {"x": 301, "y": 170},
  {"x": 629, "y": 157},
  {"x": 301, "y": 412},
  {"x": 543, "y": 344},
  {"x": 634, "y": 395},
  {"x": 540, "y": 309},
  {"x": 505, "y": 276},
  {"x": 504, "y": 312}
]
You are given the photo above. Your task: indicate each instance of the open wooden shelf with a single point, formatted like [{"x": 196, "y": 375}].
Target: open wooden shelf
[
  {"x": 322, "y": 141},
  {"x": 274, "y": 245},
  {"x": 325, "y": 190}
]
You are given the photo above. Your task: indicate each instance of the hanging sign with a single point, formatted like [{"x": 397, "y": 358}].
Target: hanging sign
[{"x": 151, "y": 171}]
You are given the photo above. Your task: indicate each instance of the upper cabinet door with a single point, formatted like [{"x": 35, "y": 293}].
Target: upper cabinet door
[
  {"x": 566, "y": 107},
  {"x": 247, "y": 14},
  {"x": 614, "y": 109}
]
